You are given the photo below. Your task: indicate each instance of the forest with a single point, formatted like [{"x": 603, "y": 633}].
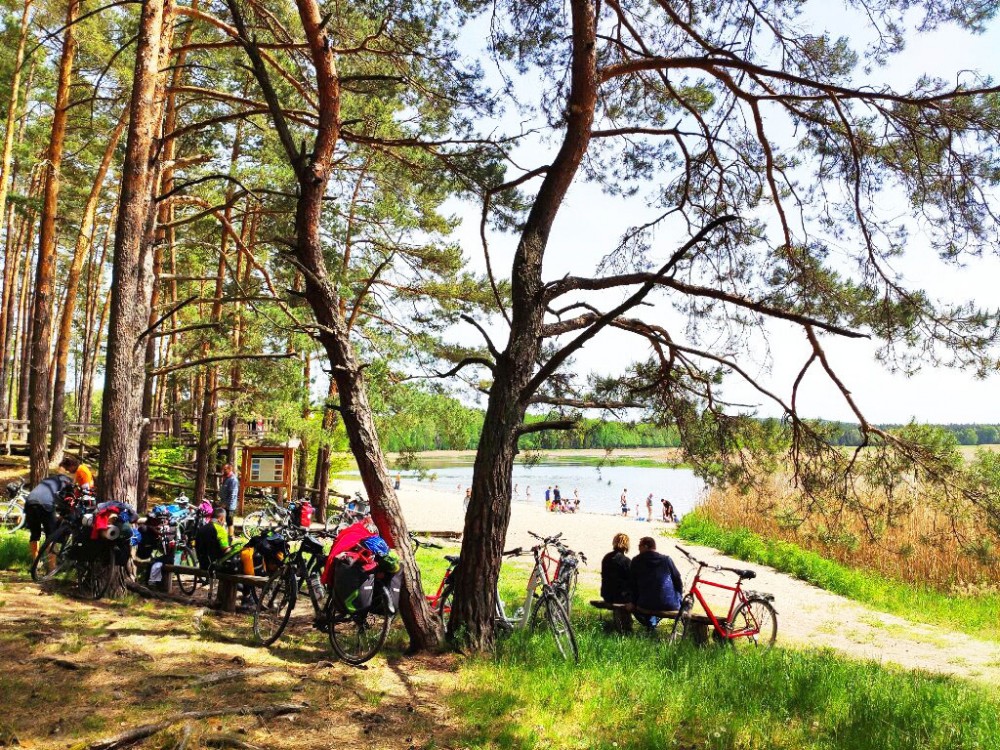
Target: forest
[{"x": 342, "y": 219}]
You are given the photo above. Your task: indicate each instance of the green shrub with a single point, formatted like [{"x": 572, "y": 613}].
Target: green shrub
[{"x": 14, "y": 553}]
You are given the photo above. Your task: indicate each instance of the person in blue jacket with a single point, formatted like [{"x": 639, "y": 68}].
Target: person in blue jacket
[{"x": 654, "y": 582}]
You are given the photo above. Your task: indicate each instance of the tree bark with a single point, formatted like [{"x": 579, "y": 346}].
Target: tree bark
[
  {"x": 27, "y": 321},
  {"x": 313, "y": 171},
  {"x": 121, "y": 408},
  {"x": 9, "y": 277},
  {"x": 488, "y": 516},
  {"x": 84, "y": 245},
  {"x": 41, "y": 333},
  {"x": 95, "y": 325}
]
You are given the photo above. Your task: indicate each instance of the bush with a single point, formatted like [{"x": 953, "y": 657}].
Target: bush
[{"x": 14, "y": 553}]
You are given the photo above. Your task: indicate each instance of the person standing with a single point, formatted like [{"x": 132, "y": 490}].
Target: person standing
[
  {"x": 625, "y": 502},
  {"x": 40, "y": 508},
  {"x": 649, "y": 507},
  {"x": 548, "y": 497},
  {"x": 399, "y": 480},
  {"x": 668, "y": 509},
  {"x": 229, "y": 495},
  {"x": 468, "y": 499},
  {"x": 83, "y": 477}
]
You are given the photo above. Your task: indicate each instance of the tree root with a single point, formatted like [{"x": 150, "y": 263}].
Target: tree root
[{"x": 131, "y": 737}]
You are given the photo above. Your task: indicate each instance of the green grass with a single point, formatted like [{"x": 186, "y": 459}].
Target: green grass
[
  {"x": 976, "y": 615},
  {"x": 638, "y": 693},
  {"x": 14, "y": 554}
]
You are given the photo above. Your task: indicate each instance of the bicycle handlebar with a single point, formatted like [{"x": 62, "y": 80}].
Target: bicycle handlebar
[
  {"x": 692, "y": 558},
  {"x": 546, "y": 539},
  {"x": 517, "y": 551}
]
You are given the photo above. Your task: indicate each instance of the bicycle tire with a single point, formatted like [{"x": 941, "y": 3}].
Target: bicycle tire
[
  {"x": 94, "y": 576},
  {"x": 274, "y": 606},
  {"x": 444, "y": 605},
  {"x": 565, "y": 589},
  {"x": 253, "y": 523},
  {"x": 189, "y": 559},
  {"x": 754, "y": 624},
  {"x": 679, "y": 630},
  {"x": 357, "y": 637},
  {"x": 550, "y": 610},
  {"x": 11, "y": 518},
  {"x": 52, "y": 559}
]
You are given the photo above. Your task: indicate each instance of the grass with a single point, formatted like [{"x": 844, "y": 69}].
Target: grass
[
  {"x": 638, "y": 693},
  {"x": 14, "y": 553},
  {"x": 975, "y": 614}
]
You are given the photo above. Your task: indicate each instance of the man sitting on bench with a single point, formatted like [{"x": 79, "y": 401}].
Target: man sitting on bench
[
  {"x": 655, "y": 584},
  {"x": 213, "y": 540}
]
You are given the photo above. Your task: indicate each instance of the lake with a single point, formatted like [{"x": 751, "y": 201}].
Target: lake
[{"x": 599, "y": 487}]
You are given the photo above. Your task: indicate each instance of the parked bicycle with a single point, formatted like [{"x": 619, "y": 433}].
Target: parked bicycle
[
  {"x": 356, "y": 636},
  {"x": 751, "y": 619},
  {"x": 12, "y": 509},
  {"x": 542, "y": 608},
  {"x": 71, "y": 549},
  {"x": 561, "y": 572}
]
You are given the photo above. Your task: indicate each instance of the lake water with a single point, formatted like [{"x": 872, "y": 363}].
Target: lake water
[{"x": 600, "y": 488}]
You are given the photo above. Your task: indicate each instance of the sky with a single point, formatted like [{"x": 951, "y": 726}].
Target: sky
[{"x": 590, "y": 222}]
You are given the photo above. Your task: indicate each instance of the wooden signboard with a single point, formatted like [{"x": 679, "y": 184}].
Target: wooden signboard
[{"x": 267, "y": 466}]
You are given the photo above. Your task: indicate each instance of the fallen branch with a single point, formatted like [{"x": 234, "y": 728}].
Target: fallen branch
[
  {"x": 131, "y": 737},
  {"x": 233, "y": 674}
]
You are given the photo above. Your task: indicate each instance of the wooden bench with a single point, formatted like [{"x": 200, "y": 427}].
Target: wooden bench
[
  {"x": 228, "y": 583},
  {"x": 697, "y": 629}
]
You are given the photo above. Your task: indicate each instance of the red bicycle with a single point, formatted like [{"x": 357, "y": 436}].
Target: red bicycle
[
  {"x": 751, "y": 620},
  {"x": 562, "y": 573}
]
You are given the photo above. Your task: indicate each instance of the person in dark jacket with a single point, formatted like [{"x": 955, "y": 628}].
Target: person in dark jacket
[
  {"x": 212, "y": 540},
  {"x": 615, "y": 580},
  {"x": 40, "y": 508},
  {"x": 654, "y": 582}
]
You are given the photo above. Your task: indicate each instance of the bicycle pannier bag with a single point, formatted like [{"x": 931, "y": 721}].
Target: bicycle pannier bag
[
  {"x": 392, "y": 587},
  {"x": 353, "y": 585}
]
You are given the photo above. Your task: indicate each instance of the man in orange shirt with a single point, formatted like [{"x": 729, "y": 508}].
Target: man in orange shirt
[{"x": 82, "y": 475}]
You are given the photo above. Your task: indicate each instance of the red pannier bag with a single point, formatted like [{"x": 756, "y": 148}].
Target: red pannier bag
[{"x": 347, "y": 548}]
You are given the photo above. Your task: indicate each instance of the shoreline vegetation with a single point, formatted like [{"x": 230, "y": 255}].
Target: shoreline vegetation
[{"x": 973, "y": 611}]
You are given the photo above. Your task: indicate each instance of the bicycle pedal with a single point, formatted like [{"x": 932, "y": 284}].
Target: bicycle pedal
[{"x": 321, "y": 625}]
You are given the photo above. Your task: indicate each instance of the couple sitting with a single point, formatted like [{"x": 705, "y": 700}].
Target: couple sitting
[{"x": 648, "y": 582}]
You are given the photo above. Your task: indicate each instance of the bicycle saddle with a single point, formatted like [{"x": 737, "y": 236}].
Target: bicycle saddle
[
  {"x": 746, "y": 575},
  {"x": 451, "y": 558}
]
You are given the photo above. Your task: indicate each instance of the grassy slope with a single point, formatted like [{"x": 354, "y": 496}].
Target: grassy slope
[
  {"x": 641, "y": 693},
  {"x": 976, "y": 615}
]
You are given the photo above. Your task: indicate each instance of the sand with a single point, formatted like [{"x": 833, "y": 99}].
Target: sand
[{"x": 808, "y": 617}]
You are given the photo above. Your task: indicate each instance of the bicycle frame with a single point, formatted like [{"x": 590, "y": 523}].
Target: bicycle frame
[{"x": 738, "y": 599}]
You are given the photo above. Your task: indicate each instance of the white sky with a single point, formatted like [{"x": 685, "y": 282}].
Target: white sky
[{"x": 590, "y": 223}]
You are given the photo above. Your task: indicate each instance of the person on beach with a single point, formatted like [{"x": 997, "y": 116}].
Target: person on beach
[
  {"x": 654, "y": 583},
  {"x": 625, "y": 503},
  {"x": 649, "y": 507},
  {"x": 527, "y": 492},
  {"x": 515, "y": 489},
  {"x": 468, "y": 498},
  {"x": 668, "y": 509},
  {"x": 615, "y": 581},
  {"x": 548, "y": 497},
  {"x": 399, "y": 480}
]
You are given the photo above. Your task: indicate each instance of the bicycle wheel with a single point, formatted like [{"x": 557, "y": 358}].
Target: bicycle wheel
[
  {"x": 94, "y": 576},
  {"x": 274, "y": 606},
  {"x": 357, "y": 637},
  {"x": 565, "y": 589},
  {"x": 679, "y": 630},
  {"x": 550, "y": 614},
  {"x": 444, "y": 605},
  {"x": 187, "y": 583},
  {"x": 11, "y": 518},
  {"x": 52, "y": 557},
  {"x": 754, "y": 624},
  {"x": 253, "y": 523}
]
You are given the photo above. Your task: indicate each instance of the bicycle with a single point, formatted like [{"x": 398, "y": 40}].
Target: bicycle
[
  {"x": 12, "y": 509},
  {"x": 751, "y": 619},
  {"x": 542, "y": 608},
  {"x": 69, "y": 549},
  {"x": 354, "y": 636},
  {"x": 565, "y": 577}
]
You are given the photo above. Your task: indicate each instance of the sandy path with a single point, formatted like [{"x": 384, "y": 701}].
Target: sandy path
[{"x": 807, "y": 616}]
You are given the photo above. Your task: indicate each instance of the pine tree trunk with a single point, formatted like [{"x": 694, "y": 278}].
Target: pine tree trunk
[
  {"x": 488, "y": 516},
  {"x": 27, "y": 321},
  {"x": 41, "y": 339},
  {"x": 84, "y": 245},
  {"x": 121, "y": 408}
]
